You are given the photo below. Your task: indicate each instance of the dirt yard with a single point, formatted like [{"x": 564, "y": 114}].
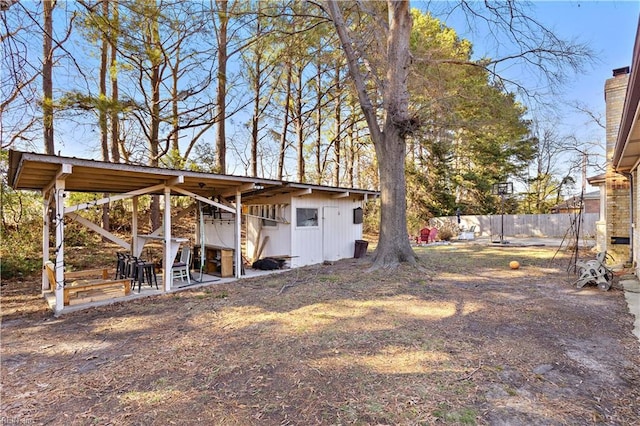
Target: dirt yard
[{"x": 466, "y": 341}]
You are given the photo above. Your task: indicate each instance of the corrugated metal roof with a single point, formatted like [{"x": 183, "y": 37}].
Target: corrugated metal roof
[{"x": 33, "y": 171}]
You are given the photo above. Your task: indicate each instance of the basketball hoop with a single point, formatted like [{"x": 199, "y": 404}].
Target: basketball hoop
[{"x": 502, "y": 189}]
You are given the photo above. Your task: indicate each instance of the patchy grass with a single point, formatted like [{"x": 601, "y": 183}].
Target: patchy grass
[{"x": 471, "y": 342}]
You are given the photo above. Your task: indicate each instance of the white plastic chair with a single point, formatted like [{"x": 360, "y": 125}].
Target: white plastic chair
[{"x": 181, "y": 269}]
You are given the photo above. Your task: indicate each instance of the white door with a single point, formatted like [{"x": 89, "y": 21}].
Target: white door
[{"x": 330, "y": 237}]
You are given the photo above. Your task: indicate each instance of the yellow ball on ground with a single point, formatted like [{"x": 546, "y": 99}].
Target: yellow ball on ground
[{"x": 514, "y": 264}]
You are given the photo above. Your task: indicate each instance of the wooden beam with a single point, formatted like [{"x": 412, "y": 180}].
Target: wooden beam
[
  {"x": 241, "y": 188},
  {"x": 238, "y": 236},
  {"x": 167, "y": 262},
  {"x": 341, "y": 195},
  {"x": 106, "y": 200},
  {"x": 65, "y": 170},
  {"x": 175, "y": 180},
  {"x": 204, "y": 200},
  {"x": 95, "y": 228},
  {"x": 59, "y": 196},
  {"x": 45, "y": 241},
  {"x": 302, "y": 193}
]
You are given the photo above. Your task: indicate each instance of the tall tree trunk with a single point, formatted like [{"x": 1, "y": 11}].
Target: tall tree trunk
[
  {"x": 258, "y": 83},
  {"x": 390, "y": 143},
  {"x": 154, "y": 134},
  {"x": 255, "y": 119},
  {"x": 102, "y": 107},
  {"x": 175, "y": 118},
  {"x": 318, "y": 148},
  {"x": 47, "y": 78},
  {"x": 285, "y": 123},
  {"x": 351, "y": 154},
  {"x": 319, "y": 165},
  {"x": 337, "y": 146},
  {"x": 154, "y": 140},
  {"x": 299, "y": 128},
  {"x": 113, "y": 73},
  {"x": 221, "y": 96}
]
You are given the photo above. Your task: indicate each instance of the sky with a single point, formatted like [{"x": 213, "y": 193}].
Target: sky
[{"x": 608, "y": 27}]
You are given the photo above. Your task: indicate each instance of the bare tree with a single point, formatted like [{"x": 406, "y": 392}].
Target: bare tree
[
  {"x": 18, "y": 92},
  {"x": 47, "y": 76},
  {"x": 390, "y": 138},
  {"x": 548, "y": 57}
]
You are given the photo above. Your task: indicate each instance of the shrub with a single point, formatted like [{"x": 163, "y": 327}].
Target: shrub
[
  {"x": 447, "y": 229},
  {"x": 21, "y": 250}
]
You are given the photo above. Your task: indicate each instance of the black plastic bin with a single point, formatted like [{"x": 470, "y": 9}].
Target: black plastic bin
[{"x": 361, "y": 248}]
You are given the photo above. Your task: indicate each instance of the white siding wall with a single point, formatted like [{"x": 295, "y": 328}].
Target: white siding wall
[
  {"x": 327, "y": 241},
  {"x": 218, "y": 232},
  {"x": 278, "y": 243},
  {"x": 334, "y": 237},
  {"x": 306, "y": 242}
]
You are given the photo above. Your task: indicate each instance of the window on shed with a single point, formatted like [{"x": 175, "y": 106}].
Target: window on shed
[
  {"x": 269, "y": 211},
  {"x": 306, "y": 217}
]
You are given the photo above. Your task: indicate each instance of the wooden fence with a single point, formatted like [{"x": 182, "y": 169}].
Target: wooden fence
[{"x": 528, "y": 225}]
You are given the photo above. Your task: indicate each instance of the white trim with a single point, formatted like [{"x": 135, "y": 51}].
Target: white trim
[
  {"x": 65, "y": 170},
  {"x": 109, "y": 199},
  {"x": 241, "y": 188},
  {"x": 238, "y": 239},
  {"x": 302, "y": 193},
  {"x": 204, "y": 200},
  {"x": 166, "y": 255},
  {"x": 341, "y": 195}
]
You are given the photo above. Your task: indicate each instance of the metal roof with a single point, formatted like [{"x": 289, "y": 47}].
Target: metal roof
[{"x": 33, "y": 171}]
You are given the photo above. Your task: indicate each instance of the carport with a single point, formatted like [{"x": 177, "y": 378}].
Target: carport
[{"x": 56, "y": 176}]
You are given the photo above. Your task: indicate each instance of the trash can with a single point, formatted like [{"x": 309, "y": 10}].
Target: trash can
[{"x": 361, "y": 248}]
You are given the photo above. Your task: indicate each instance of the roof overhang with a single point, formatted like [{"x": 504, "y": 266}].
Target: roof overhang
[
  {"x": 627, "y": 149},
  {"x": 262, "y": 195},
  {"x": 32, "y": 171},
  {"x": 38, "y": 172},
  {"x": 597, "y": 180}
]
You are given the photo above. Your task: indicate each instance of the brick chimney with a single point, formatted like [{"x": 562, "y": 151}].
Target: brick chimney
[{"x": 617, "y": 214}]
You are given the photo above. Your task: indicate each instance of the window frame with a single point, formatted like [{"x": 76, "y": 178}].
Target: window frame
[{"x": 315, "y": 217}]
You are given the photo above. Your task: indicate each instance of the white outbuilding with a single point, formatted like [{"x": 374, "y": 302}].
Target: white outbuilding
[{"x": 297, "y": 223}]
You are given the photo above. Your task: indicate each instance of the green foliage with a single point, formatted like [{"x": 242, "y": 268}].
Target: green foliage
[
  {"x": 173, "y": 160},
  {"x": 205, "y": 158},
  {"x": 371, "y": 217},
  {"x": 20, "y": 249},
  {"x": 473, "y": 133},
  {"x": 21, "y": 244},
  {"x": 464, "y": 416},
  {"x": 21, "y": 230}
]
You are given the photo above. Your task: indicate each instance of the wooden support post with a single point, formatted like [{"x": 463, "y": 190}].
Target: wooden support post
[
  {"x": 167, "y": 261},
  {"x": 59, "y": 195},
  {"x": 45, "y": 241},
  {"x": 134, "y": 224},
  {"x": 238, "y": 246}
]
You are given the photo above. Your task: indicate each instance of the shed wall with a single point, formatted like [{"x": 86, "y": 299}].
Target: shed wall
[{"x": 334, "y": 237}]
